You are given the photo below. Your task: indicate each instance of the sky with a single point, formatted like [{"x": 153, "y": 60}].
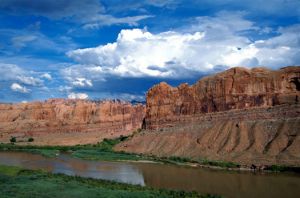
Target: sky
[{"x": 106, "y": 49}]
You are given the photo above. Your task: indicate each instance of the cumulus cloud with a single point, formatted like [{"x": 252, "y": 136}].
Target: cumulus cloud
[
  {"x": 139, "y": 53},
  {"x": 46, "y": 76},
  {"x": 19, "y": 88},
  {"x": 78, "y": 96},
  {"x": 206, "y": 45}
]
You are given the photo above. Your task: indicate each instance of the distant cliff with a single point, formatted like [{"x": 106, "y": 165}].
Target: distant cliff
[
  {"x": 67, "y": 122},
  {"x": 243, "y": 115}
]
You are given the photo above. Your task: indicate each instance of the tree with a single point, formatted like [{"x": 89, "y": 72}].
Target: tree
[{"x": 13, "y": 139}]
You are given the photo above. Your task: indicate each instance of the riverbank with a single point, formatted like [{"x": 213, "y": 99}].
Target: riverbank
[
  {"x": 18, "y": 182},
  {"x": 104, "y": 151}
]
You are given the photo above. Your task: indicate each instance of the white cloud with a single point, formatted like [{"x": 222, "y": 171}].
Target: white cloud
[
  {"x": 21, "y": 41},
  {"x": 64, "y": 89},
  {"x": 138, "y": 53},
  {"x": 106, "y": 20},
  {"x": 281, "y": 50},
  {"x": 82, "y": 76},
  {"x": 18, "y": 88},
  {"x": 46, "y": 76},
  {"x": 78, "y": 96},
  {"x": 11, "y": 72},
  {"x": 201, "y": 47},
  {"x": 29, "y": 80},
  {"x": 82, "y": 82}
]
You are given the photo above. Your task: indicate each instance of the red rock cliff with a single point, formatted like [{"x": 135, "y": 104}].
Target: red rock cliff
[
  {"x": 236, "y": 88},
  {"x": 59, "y": 121},
  {"x": 250, "y": 116}
]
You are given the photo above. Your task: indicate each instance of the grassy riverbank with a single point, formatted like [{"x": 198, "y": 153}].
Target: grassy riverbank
[
  {"x": 104, "y": 151},
  {"x": 16, "y": 182}
]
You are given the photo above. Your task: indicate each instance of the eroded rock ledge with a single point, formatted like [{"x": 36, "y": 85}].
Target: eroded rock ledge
[{"x": 69, "y": 122}]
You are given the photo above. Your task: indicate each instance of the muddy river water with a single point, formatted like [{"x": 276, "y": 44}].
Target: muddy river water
[{"x": 226, "y": 183}]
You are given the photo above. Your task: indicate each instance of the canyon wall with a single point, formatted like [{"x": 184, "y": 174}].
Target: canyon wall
[
  {"x": 250, "y": 116},
  {"x": 69, "y": 122},
  {"x": 236, "y": 88}
]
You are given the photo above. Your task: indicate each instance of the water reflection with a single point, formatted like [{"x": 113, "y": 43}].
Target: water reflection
[
  {"x": 65, "y": 164},
  {"x": 229, "y": 184}
]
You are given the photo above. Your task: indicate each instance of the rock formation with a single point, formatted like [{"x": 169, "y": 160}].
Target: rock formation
[
  {"x": 251, "y": 116},
  {"x": 69, "y": 122},
  {"x": 236, "y": 88}
]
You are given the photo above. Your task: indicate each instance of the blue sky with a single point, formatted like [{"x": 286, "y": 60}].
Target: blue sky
[{"x": 100, "y": 49}]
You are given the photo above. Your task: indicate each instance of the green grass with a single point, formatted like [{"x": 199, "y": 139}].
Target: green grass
[
  {"x": 10, "y": 171},
  {"x": 47, "y": 152},
  {"x": 36, "y": 184},
  {"x": 44, "y": 152},
  {"x": 222, "y": 164},
  {"x": 106, "y": 155},
  {"x": 104, "y": 151}
]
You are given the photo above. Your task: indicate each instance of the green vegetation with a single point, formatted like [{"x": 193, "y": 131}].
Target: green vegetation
[
  {"x": 277, "y": 168},
  {"x": 13, "y": 139},
  {"x": 108, "y": 144},
  {"x": 9, "y": 170},
  {"x": 281, "y": 168},
  {"x": 16, "y": 182},
  {"x": 106, "y": 156},
  {"x": 30, "y": 139},
  {"x": 222, "y": 164},
  {"x": 104, "y": 151},
  {"x": 44, "y": 152}
]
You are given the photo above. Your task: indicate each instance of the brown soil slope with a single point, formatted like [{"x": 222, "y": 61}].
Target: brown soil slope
[
  {"x": 69, "y": 122},
  {"x": 247, "y": 116}
]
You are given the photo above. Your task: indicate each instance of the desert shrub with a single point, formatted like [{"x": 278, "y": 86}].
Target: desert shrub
[
  {"x": 13, "y": 139},
  {"x": 122, "y": 138},
  {"x": 30, "y": 139}
]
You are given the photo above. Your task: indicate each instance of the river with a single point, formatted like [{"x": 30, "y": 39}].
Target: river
[{"x": 227, "y": 183}]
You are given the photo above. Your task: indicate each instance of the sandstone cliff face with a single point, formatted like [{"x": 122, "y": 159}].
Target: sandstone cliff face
[
  {"x": 67, "y": 122},
  {"x": 236, "y": 88},
  {"x": 247, "y": 116}
]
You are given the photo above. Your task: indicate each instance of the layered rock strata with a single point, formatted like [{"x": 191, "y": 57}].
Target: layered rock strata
[
  {"x": 236, "y": 88},
  {"x": 69, "y": 122},
  {"x": 251, "y": 116}
]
